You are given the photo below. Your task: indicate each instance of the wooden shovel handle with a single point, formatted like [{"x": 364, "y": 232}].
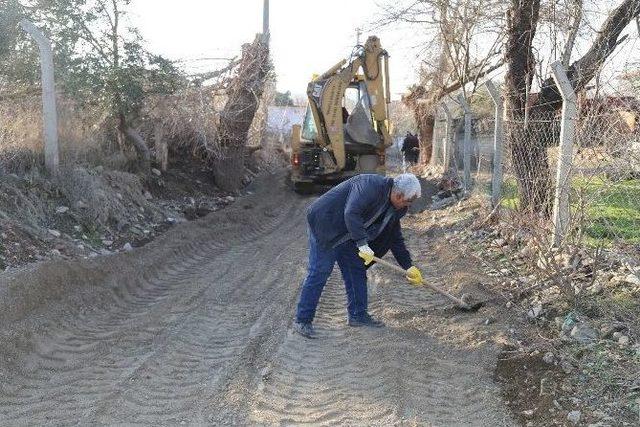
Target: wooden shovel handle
[{"x": 429, "y": 285}]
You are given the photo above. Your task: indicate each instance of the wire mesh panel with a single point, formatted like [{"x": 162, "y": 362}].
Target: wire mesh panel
[
  {"x": 482, "y": 141},
  {"x": 530, "y": 157},
  {"x": 606, "y": 171},
  {"x": 481, "y": 148}
]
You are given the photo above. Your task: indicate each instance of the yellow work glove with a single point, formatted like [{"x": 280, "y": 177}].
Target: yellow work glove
[
  {"x": 366, "y": 253},
  {"x": 414, "y": 276}
]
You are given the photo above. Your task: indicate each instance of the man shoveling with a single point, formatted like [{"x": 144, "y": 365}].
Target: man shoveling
[{"x": 350, "y": 224}]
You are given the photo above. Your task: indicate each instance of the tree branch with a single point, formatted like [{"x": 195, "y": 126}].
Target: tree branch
[
  {"x": 90, "y": 38},
  {"x": 576, "y": 18},
  {"x": 106, "y": 13},
  {"x": 584, "y": 69},
  {"x": 457, "y": 85}
]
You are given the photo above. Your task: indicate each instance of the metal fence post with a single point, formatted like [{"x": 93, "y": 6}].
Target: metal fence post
[
  {"x": 563, "y": 176},
  {"x": 448, "y": 134},
  {"x": 466, "y": 148},
  {"x": 498, "y": 144},
  {"x": 49, "y": 113}
]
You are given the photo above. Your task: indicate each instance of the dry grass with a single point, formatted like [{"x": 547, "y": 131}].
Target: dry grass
[
  {"x": 83, "y": 134},
  {"x": 20, "y": 135},
  {"x": 189, "y": 119}
]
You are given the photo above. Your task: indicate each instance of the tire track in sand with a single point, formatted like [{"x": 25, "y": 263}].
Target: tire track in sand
[
  {"x": 391, "y": 376},
  {"x": 191, "y": 317}
]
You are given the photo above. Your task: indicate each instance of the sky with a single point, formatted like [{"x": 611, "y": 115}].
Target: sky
[{"x": 306, "y": 37}]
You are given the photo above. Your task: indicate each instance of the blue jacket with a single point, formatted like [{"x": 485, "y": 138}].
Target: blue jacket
[{"x": 360, "y": 210}]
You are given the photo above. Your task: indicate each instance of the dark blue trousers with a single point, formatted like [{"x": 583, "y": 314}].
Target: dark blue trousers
[
  {"x": 321, "y": 262},
  {"x": 354, "y": 274}
]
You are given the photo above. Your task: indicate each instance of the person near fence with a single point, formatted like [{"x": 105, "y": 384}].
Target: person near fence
[
  {"x": 350, "y": 224},
  {"x": 411, "y": 148}
]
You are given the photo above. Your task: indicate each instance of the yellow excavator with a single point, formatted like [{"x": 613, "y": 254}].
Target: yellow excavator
[{"x": 346, "y": 129}]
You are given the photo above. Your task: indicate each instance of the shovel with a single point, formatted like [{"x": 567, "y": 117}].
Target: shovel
[{"x": 463, "y": 305}]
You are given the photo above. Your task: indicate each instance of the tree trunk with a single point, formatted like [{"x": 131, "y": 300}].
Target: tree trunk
[
  {"x": 425, "y": 121},
  {"x": 423, "y": 115},
  {"x": 244, "y": 94},
  {"x": 162, "y": 149},
  {"x": 425, "y": 130},
  {"x": 229, "y": 168},
  {"x": 139, "y": 144},
  {"x": 528, "y": 151}
]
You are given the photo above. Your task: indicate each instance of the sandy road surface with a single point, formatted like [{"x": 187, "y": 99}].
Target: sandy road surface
[{"x": 195, "y": 328}]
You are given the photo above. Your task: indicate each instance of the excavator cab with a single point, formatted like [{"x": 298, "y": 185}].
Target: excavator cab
[{"x": 346, "y": 129}]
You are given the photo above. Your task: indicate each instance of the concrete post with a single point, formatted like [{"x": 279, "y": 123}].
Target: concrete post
[
  {"x": 466, "y": 147},
  {"x": 434, "y": 139},
  {"x": 498, "y": 144},
  {"x": 50, "y": 115},
  {"x": 448, "y": 134},
  {"x": 563, "y": 176}
]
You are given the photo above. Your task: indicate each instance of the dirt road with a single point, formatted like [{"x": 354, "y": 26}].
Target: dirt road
[{"x": 195, "y": 328}]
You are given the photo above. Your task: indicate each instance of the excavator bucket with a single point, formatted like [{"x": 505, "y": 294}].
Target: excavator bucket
[{"x": 360, "y": 129}]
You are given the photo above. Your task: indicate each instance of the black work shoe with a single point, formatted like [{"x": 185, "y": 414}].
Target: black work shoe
[
  {"x": 305, "y": 329},
  {"x": 365, "y": 320}
]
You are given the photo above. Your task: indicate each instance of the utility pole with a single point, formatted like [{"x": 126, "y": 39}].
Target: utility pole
[{"x": 265, "y": 18}]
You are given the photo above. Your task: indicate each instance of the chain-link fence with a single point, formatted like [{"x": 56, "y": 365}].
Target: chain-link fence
[
  {"x": 564, "y": 228},
  {"x": 603, "y": 187},
  {"x": 448, "y": 148},
  {"x": 606, "y": 170}
]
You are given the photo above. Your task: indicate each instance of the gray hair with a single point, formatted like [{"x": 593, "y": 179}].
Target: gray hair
[{"x": 408, "y": 185}]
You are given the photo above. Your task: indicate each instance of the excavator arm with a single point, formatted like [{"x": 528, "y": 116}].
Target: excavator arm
[{"x": 326, "y": 94}]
